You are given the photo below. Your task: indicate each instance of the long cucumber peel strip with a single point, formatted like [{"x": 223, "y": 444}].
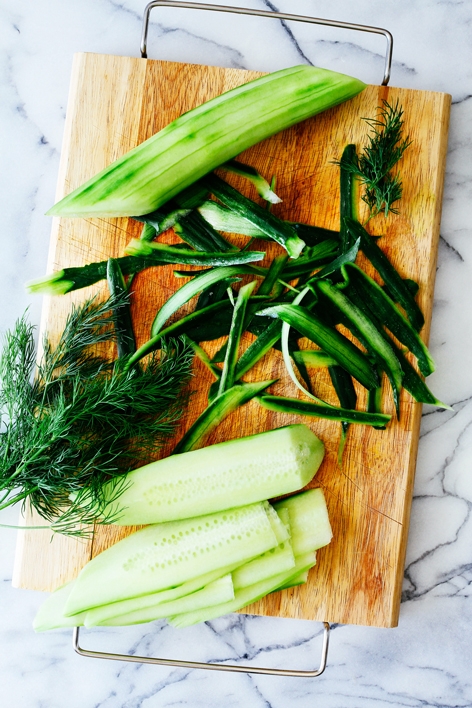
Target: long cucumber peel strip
[
  {"x": 77, "y": 277},
  {"x": 227, "y": 378},
  {"x": 177, "y": 329},
  {"x": 193, "y": 287},
  {"x": 203, "y": 138},
  {"x": 250, "y": 173},
  {"x": 397, "y": 287},
  {"x": 276, "y": 229},
  {"x": 260, "y": 346},
  {"x": 378, "y": 346},
  {"x": 313, "y": 358},
  {"x": 329, "y": 339},
  {"x": 233, "y": 473},
  {"x": 216, "y": 592},
  {"x": 169, "y": 254},
  {"x": 217, "y": 411},
  {"x": 224, "y": 219},
  {"x": 197, "y": 232},
  {"x": 385, "y": 311},
  {"x": 295, "y": 406},
  {"x": 312, "y": 258}
]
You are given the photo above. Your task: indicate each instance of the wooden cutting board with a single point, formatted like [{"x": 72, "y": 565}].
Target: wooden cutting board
[{"x": 116, "y": 103}]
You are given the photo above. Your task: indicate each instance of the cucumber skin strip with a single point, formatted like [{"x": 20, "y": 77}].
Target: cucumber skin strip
[
  {"x": 389, "y": 274},
  {"x": 384, "y": 311},
  {"x": 280, "y": 231},
  {"x": 282, "y": 404},
  {"x": 172, "y": 255},
  {"x": 379, "y": 347},
  {"x": 258, "y": 348},
  {"x": 329, "y": 339},
  {"x": 218, "y": 410},
  {"x": 192, "y": 288},
  {"x": 237, "y": 325},
  {"x": 175, "y": 329}
]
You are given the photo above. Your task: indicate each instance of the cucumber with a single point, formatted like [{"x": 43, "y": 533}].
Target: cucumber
[
  {"x": 215, "y": 593},
  {"x": 205, "y": 137},
  {"x": 309, "y": 523},
  {"x": 233, "y": 473},
  {"x": 271, "y": 563},
  {"x": 245, "y": 596},
  {"x": 165, "y": 555}
]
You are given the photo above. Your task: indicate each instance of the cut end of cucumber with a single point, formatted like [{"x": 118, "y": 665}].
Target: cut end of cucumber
[{"x": 238, "y": 472}]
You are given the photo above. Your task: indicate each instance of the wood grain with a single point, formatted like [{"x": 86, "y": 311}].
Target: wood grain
[{"x": 116, "y": 103}]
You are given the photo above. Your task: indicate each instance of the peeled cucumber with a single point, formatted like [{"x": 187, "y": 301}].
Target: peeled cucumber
[
  {"x": 233, "y": 473},
  {"x": 168, "y": 554},
  {"x": 205, "y": 137}
]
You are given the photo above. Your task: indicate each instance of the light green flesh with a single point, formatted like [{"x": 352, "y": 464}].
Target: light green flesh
[
  {"x": 245, "y": 596},
  {"x": 51, "y": 613},
  {"x": 217, "y": 592},
  {"x": 309, "y": 521},
  {"x": 299, "y": 579},
  {"x": 275, "y": 561},
  {"x": 168, "y": 554},
  {"x": 201, "y": 139},
  {"x": 98, "y": 615},
  {"x": 236, "y": 472}
]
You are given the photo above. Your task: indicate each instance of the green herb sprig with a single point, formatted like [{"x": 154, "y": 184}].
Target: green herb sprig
[
  {"x": 78, "y": 419},
  {"x": 373, "y": 167}
]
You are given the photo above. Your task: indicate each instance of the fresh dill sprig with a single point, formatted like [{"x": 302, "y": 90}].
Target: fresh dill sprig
[
  {"x": 373, "y": 167},
  {"x": 78, "y": 419}
]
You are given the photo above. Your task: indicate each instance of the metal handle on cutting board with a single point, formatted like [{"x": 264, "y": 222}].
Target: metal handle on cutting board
[
  {"x": 275, "y": 15},
  {"x": 203, "y": 665}
]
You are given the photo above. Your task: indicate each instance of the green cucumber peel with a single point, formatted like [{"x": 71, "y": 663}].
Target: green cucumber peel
[
  {"x": 295, "y": 406},
  {"x": 197, "y": 232},
  {"x": 313, "y": 257},
  {"x": 169, "y": 254},
  {"x": 217, "y": 411},
  {"x": 178, "y": 328},
  {"x": 125, "y": 341},
  {"x": 227, "y": 378},
  {"x": 377, "y": 345},
  {"x": 274, "y": 228},
  {"x": 400, "y": 291},
  {"x": 194, "y": 287},
  {"x": 312, "y": 358}
]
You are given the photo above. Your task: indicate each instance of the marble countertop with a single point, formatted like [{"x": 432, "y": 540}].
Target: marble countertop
[{"x": 426, "y": 660}]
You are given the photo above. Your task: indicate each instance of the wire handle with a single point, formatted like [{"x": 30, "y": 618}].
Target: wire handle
[
  {"x": 203, "y": 665},
  {"x": 276, "y": 15}
]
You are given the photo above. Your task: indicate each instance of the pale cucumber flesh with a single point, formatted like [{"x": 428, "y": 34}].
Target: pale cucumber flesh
[
  {"x": 309, "y": 521},
  {"x": 165, "y": 555},
  {"x": 245, "y": 596},
  {"x": 217, "y": 592},
  {"x": 237, "y": 472},
  {"x": 202, "y": 139}
]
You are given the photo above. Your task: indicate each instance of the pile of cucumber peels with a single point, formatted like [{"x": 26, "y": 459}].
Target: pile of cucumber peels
[{"x": 310, "y": 288}]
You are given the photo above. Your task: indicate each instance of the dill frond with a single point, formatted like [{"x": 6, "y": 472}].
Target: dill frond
[
  {"x": 78, "y": 420},
  {"x": 373, "y": 167}
]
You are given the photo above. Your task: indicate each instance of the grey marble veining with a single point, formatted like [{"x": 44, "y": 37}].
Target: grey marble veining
[{"x": 426, "y": 660}]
